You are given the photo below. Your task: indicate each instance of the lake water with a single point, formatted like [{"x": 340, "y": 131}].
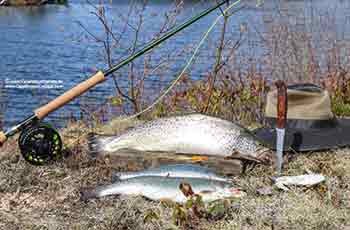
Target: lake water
[{"x": 48, "y": 44}]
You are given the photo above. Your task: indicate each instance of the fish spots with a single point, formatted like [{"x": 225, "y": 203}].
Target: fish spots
[{"x": 187, "y": 134}]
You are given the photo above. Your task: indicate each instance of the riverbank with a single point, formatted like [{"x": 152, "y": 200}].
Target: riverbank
[{"x": 48, "y": 197}]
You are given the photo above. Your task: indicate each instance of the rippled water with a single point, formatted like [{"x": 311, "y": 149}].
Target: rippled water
[{"x": 47, "y": 43}]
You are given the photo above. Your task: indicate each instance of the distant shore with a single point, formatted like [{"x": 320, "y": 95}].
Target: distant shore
[{"x": 30, "y": 2}]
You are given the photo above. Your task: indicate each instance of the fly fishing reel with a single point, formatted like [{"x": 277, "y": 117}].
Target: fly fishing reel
[{"x": 40, "y": 144}]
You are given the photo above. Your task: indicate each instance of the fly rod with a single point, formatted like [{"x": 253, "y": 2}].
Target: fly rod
[{"x": 39, "y": 142}]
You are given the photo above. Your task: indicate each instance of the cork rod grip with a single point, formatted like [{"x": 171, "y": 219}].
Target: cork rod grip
[
  {"x": 281, "y": 104},
  {"x": 3, "y": 138},
  {"x": 69, "y": 95}
]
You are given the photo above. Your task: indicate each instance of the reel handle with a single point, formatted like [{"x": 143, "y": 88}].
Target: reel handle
[{"x": 69, "y": 95}]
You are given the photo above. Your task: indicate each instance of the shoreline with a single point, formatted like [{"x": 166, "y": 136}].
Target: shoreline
[{"x": 30, "y": 2}]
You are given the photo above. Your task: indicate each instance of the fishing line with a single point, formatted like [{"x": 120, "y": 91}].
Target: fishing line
[{"x": 188, "y": 64}]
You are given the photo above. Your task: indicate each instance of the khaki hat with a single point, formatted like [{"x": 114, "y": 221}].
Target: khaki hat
[{"x": 311, "y": 125}]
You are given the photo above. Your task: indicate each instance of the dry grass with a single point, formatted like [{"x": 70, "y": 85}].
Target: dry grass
[{"x": 48, "y": 197}]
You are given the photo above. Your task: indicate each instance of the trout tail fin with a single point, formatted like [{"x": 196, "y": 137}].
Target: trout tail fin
[
  {"x": 87, "y": 194},
  {"x": 97, "y": 143},
  {"x": 119, "y": 176},
  {"x": 116, "y": 177}
]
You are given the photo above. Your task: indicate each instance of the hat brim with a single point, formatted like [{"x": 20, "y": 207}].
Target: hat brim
[{"x": 308, "y": 139}]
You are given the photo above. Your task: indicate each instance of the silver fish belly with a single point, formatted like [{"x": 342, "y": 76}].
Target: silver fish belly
[
  {"x": 187, "y": 134},
  {"x": 173, "y": 170},
  {"x": 166, "y": 189}
]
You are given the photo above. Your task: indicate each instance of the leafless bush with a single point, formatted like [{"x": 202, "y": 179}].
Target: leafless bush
[
  {"x": 133, "y": 21},
  {"x": 298, "y": 49}
]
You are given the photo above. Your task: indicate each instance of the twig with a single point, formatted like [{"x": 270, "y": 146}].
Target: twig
[
  {"x": 87, "y": 31},
  {"x": 218, "y": 64}
]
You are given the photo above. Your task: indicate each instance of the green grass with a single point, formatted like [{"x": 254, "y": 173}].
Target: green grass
[{"x": 340, "y": 108}]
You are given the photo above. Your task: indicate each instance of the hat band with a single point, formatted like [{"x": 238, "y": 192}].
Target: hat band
[{"x": 305, "y": 124}]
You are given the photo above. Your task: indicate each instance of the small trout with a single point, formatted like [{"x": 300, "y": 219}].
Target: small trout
[
  {"x": 187, "y": 134},
  {"x": 301, "y": 180},
  {"x": 166, "y": 189},
  {"x": 173, "y": 170}
]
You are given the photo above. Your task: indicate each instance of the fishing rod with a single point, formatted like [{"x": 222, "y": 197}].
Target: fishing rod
[{"x": 39, "y": 142}]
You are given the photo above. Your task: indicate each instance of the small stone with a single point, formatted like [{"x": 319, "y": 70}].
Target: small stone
[{"x": 265, "y": 191}]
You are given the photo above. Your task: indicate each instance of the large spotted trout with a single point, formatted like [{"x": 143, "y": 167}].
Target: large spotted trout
[{"x": 186, "y": 134}]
